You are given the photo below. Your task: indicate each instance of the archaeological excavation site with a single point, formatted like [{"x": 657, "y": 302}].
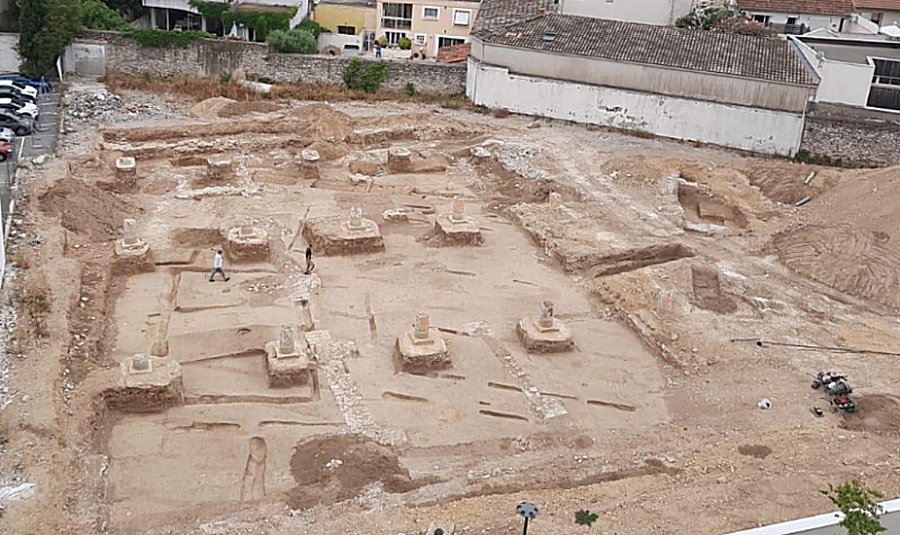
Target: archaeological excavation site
[{"x": 428, "y": 314}]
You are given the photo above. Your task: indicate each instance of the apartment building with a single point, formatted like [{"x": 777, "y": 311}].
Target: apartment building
[{"x": 428, "y": 24}]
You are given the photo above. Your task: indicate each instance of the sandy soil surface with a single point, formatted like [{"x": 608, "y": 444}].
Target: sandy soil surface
[{"x": 666, "y": 261}]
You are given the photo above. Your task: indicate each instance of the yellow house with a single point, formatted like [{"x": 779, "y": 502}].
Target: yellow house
[
  {"x": 429, "y": 24},
  {"x": 346, "y": 17}
]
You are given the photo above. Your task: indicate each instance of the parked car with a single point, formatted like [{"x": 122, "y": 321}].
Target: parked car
[
  {"x": 43, "y": 86},
  {"x": 24, "y": 89},
  {"x": 21, "y": 125},
  {"x": 6, "y": 149},
  {"x": 15, "y": 94},
  {"x": 19, "y": 108},
  {"x": 7, "y": 135}
]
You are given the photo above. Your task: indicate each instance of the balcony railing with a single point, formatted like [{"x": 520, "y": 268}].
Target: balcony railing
[{"x": 788, "y": 29}]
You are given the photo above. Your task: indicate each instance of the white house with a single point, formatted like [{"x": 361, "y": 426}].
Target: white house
[
  {"x": 181, "y": 15},
  {"x": 733, "y": 90},
  {"x": 664, "y": 12}
]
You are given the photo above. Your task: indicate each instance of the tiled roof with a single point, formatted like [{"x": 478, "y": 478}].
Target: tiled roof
[
  {"x": 494, "y": 13},
  {"x": 887, "y": 5},
  {"x": 798, "y": 7},
  {"x": 454, "y": 53},
  {"x": 695, "y": 50}
]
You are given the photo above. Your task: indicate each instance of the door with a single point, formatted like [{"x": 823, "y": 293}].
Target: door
[{"x": 443, "y": 41}]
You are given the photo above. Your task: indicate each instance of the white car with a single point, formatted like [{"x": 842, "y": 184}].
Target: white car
[
  {"x": 22, "y": 88},
  {"x": 7, "y": 135},
  {"x": 26, "y": 108}
]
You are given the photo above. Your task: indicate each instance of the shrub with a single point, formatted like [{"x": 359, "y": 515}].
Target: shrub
[
  {"x": 262, "y": 29},
  {"x": 46, "y": 28},
  {"x": 162, "y": 38},
  {"x": 705, "y": 16},
  {"x": 224, "y": 77},
  {"x": 404, "y": 43},
  {"x": 96, "y": 15},
  {"x": 744, "y": 26},
  {"x": 251, "y": 19},
  {"x": 365, "y": 76},
  {"x": 410, "y": 89},
  {"x": 584, "y": 517},
  {"x": 312, "y": 27},
  {"x": 293, "y": 41},
  {"x": 383, "y": 41}
]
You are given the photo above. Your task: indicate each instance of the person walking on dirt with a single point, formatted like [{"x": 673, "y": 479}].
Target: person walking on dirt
[
  {"x": 309, "y": 263},
  {"x": 218, "y": 267}
]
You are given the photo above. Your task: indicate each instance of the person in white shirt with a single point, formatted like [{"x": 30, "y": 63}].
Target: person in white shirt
[{"x": 218, "y": 267}]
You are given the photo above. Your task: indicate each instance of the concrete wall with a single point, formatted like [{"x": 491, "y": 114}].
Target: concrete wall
[
  {"x": 827, "y": 524},
  {"x": 766, "y": 131},
  {"x": 665, "y": 81},
  {"x": 9, "y": 58},
  {"x": 662, "y": 12},
  {"x": 211, "y": 57},
  {"x": 841, "y": 82},
  {"x": 855, "y": 136},
  {"x": 814, "y": 22}
]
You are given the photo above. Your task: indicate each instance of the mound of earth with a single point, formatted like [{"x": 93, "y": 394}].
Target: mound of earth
[
  {"x": 875, "y": 413},
  {"x": 323, "y": 122},
  {"x": 332, "y": 468},
  {"x": 239, "y": 109},
  {"x": 212, "y": 107},
  {"x": 86, "y": 209},
  {"x": 850, "y": 239}
]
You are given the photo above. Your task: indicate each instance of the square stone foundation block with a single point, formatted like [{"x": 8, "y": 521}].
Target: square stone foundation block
[
  {"x": 420, "y": 355},
  {"x": 333, "y": 236},
  {"x": 539, "y": 339},
  {"x": 143, "y": 391},
  {"x": 290, "y": 369},
  {"x": 449, "y": 232},
  {"x": 243, "y": 247}
]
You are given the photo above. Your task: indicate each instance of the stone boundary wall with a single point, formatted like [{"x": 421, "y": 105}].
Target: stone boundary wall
[
  {"x": 855, "y": 136},
  {"x": 212, "y": 57}
]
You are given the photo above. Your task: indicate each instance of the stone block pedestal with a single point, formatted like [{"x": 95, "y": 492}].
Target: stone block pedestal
[
  {"x": 417, "y": 354},
  {"x": 247, "y": 243},
  {"x": 450, "y": 231},
  {"x": 545, "y": 336},
  {"x": 289, "y": 367},
  {"x": 146, "y": 384},
  {"x": 336, "y": 236}
]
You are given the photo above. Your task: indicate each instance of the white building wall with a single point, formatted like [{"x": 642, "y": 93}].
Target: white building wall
[
  {"x": 827, "y": 524},
  {"x": 814, "y": 22},
  {"x": 662, "y": 12},
  {"x": 753, "y": 129}
]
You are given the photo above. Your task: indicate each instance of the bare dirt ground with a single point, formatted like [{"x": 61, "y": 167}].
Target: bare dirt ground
[{"x": 667, "y": 261}]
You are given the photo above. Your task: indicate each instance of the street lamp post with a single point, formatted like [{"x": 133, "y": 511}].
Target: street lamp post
[{"x": 528, "y": 511}]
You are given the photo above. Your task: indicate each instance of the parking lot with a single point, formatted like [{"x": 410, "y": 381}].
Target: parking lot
[{"x": 41, "y": 141}]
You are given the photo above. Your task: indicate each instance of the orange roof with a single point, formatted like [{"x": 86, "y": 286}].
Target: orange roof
[
  {"x": 887, "y": 5},
  {"x": 454, "y": 53},
  {"x": 797, "y": 7}
]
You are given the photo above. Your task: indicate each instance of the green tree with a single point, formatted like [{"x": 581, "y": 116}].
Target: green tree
[
  {"x": 262, "y": 29},
  {"x": 293, "y": 41},
  {"x": 32, "y": 18},
  {"x": 57, "y": 22},
  {"x": 96, "y": 15},
  {"x": 312, "y": 27},
  {"x": 859, "y": 505}
]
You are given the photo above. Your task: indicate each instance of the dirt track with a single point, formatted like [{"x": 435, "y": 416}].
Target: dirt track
[{"x": 660, "y": 256}]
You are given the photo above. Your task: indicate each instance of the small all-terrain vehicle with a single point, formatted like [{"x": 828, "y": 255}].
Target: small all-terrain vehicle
[
  {"x": 844, "y": 404},
  {"x": 826, "y": 378},
  {"x": 838, "y": 388}
]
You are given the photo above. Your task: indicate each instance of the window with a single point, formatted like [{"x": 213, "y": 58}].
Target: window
[
  {"x": 397, "y": 16},
  {"x": 431, "y": 13},
  {"x": 346, "y": 30},
  {"x": 449, "y": 41},
  {"x": 876, "y": 18},
  {"x": 792, "y": 20},
  {"x": 394, "y": 37},
  {"x": 420, "y": 39},
  {"x": 462, "y": 17},
  {"x": 763, "y": 19}
]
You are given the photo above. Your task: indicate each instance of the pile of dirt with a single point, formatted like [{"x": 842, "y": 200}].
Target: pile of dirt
[
  {"x": 875, "y": 412},
  {"x": 239, "y": 109},
  {"x": 332, "y": 468},
  {"x": 323, "y": 122},
  {"x": 86, "y": 209},
  {"x": 849, "y": 238},
  {"x": 212, "y": 107},
  {"x": 196, "y": 237}
]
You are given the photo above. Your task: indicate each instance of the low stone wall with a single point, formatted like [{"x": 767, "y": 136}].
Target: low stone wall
[
  {"x": 213, "y": 57},
  {"x": 855, "y": 137}
]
